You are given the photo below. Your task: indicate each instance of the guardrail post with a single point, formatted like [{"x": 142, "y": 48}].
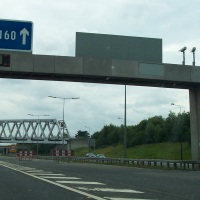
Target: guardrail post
[{"x": 168, "y": 164}]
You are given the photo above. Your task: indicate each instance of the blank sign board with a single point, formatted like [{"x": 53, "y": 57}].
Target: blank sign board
[{"x": 118, "y": 47}]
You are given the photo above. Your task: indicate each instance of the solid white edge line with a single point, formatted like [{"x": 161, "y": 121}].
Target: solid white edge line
[{"x": 59, "y": 185}]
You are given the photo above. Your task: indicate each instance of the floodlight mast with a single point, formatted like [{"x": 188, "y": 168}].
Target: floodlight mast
[
  {"x": 193, "y": 52},
  {"x": 183, "y": 51}
]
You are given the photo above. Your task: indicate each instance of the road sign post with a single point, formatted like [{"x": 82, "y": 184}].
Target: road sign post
[{"x": 16, "y": 35}]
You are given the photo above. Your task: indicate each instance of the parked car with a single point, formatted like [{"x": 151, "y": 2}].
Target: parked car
[
  {"x": 90, "y": 155},
  {"x": 100, "y": 156}
]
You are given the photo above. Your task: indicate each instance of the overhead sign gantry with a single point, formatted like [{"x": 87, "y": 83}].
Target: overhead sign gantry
[{"x": 106, "y": 63}]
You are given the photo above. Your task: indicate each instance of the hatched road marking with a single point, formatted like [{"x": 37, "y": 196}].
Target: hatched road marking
[
  {"x": 44, "y": 176},
  {"x": 87, "y": 195}
]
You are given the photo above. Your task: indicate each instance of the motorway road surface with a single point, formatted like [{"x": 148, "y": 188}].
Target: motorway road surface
[{"x": 44, "y": 179}]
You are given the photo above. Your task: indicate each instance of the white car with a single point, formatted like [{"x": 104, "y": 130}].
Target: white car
[
  {"x": 100, "y": 156},
  {"x": 90, "y": 155}
]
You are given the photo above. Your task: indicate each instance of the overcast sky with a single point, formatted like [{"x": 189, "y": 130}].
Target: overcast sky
[{"x": 55, "y": 25}]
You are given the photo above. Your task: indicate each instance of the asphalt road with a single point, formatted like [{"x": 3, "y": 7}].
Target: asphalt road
[{"x": 41, "y": 179}]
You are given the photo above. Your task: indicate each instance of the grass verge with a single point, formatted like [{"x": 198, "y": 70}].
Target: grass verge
[{"x": 169, "y": 151}]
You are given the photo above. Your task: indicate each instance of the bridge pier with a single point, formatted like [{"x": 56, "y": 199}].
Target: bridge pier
[{"x": 194, "y": 95}]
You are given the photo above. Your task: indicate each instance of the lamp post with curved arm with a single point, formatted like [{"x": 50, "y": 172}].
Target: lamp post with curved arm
[{"x": 63, "y": 98}]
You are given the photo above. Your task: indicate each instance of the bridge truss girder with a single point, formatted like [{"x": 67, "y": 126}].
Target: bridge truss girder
[{"x": 45, "y": 131}]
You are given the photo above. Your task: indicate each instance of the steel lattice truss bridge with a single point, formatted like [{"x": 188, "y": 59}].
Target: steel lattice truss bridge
[{"x": 46, "y": 131}]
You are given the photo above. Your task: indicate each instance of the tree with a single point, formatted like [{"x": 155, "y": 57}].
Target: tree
[
  {"x": 174, "y": 128},
  {"x": 170, "y": 122},
  {"x": 82, "y": 134}
]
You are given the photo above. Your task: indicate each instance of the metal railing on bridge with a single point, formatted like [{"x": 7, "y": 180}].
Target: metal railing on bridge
[{"x": 49, "y": 131}]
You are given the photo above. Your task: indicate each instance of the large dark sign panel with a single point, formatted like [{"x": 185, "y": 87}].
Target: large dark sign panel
[{"x": 118, "y": 47}]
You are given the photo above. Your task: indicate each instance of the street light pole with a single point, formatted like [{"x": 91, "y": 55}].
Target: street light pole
[
  {"x": 125, "y": 131},
  {"x": 63, "y": 98},
  {"x": 38, "y": 116},
  {"x": 180, "y": 129}
]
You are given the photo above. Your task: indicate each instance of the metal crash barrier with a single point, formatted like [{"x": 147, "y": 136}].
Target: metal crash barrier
[{"x": 152, "y": 163}]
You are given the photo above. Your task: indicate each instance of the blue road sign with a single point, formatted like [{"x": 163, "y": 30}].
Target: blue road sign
[{"x": 16, "y": 35}]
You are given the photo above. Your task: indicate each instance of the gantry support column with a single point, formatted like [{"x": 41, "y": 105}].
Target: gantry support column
[{"x": 195, "y": 122}]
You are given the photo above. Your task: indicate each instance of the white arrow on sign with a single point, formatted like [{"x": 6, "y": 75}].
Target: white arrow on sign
[{"x": 24, "y": 33}]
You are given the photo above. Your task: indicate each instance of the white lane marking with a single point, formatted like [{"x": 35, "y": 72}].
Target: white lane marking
[
  {"x": 41, "y": 173},
  {"x": 110, "y": 190},
  {"x": 25, "y": 168},
  {"x": 57, "y": 177},
  {"x": 81, "y": 182},
  {"x": 59, "y": 185},
  {"x": 35, "y": 171},
  {"x": 125, "y": 198},
  {"x": 46, "y": 174}
]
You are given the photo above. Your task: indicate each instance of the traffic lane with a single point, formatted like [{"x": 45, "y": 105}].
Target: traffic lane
[
  {"x": 95, "y": 190},
  {"x": 155, "y": 183},
  {"x": 160, "y": 183},
  {"x": 15, "y": 185},
  {"x": 171, "y": 184}
]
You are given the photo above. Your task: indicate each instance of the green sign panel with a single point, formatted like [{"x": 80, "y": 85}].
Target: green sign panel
[{"x": 118, "y": 47}]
